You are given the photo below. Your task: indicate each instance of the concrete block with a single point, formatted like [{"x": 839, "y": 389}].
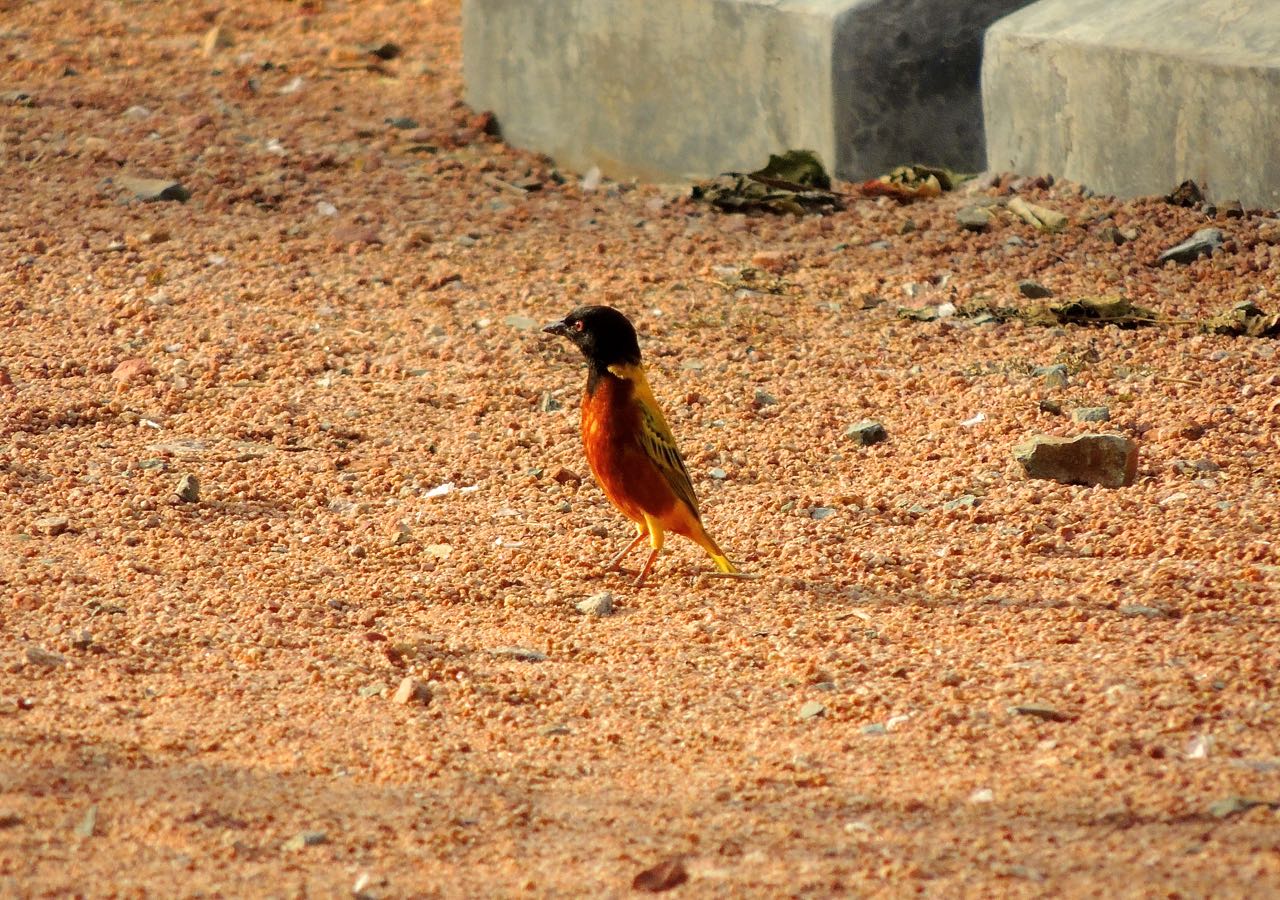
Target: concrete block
[
  {"x": 1132, "y": 98},
  {"x": 673, "y": 89}
]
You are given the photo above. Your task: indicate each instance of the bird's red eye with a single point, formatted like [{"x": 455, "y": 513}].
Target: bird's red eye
[{"x": 577, "y": 325}]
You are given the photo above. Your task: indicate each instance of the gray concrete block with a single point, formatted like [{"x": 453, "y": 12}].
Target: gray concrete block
[
  {"x": 669, "y": 89},
  {"x": 1132, "y": 98}
]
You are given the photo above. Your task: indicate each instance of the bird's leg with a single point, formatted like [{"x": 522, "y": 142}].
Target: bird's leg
[
  {"x": 648, "y": 564},
  {"x": 656, "y": 538},
  {"x": 617, "y": 560}
]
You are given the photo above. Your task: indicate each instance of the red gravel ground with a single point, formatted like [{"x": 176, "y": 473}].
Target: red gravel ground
[{"x": 198, "y": 698}]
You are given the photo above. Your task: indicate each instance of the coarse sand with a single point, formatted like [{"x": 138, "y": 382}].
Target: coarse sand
[{"x": 949, "y": 679}]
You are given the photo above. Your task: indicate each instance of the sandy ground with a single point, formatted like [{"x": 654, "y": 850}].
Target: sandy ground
[{"x": 197, "y": 698}]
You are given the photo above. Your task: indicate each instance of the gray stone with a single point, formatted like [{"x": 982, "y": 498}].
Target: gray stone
[
  {"x": 600, "y": 604},
  {"x": 866, "y": 433},
  {"x": 763, "y": 398},
  {"x": 718, "y": 474},
  {"x": 1090, "y": 414},
  {"x": 153, "y": 189},
  {"x": 974, "y": 218},
  {"x": 692, "y": 88},
  {"x": 306, "y": 839},
  {"x": 188, "y": 489},
  {"x": 1110, "y": 460},
  {"x": 521, "y": 653},
  {"x": 964, "y": 501},
  {"x": 1131, "y": 98},
  {"x": 1147, "y": 612},
  {"x": 1202, "y": 243},
  {"x": 1033, "y": 290},
  {"x": 38, "y": 656}
]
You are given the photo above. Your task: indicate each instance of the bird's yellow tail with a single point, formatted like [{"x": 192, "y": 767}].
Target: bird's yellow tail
[{"x": 705, "y": 541}]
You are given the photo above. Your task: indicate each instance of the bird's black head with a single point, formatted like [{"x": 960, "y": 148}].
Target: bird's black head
[{"x": 604, "y": 335}]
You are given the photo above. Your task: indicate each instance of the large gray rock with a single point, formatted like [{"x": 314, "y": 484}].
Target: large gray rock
[
  {"x": 1132, "y": 97},
  {"x": 668, "y": 89},
  {"x": 1110, "y": 460}
]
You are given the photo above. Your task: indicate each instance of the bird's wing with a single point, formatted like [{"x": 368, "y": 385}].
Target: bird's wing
[{"x": 660, "y": 446}]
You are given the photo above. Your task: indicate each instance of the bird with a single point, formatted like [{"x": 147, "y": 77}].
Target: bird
[{"x": 627, "y": 441}]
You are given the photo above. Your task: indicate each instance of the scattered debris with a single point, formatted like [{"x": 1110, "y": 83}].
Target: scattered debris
[
  {"x": 794, "y": 182},
  {"x": 1202, "y": 243},
  {"x": 1244, "y": 319},
  {"x": 1091, "y": 311},
  {"x": 1187, "y": 194},
  {"x": 1040, "y": 217},
  {"x": 1110, "y": 460},
  {"x": 917, "y": 182}
]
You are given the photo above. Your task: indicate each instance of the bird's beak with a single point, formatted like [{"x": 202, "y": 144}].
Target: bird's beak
[{"x": 556, "y": 328}]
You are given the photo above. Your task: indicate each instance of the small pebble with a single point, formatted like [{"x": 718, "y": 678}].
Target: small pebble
[
  {"x": 812, "y": 710},
  {"x": 600, "y": 604},
  {"x": 866, "y": 433},
  {"x": 1034, "y": 290},
  {"x": 38, "y": 656},
  {"x": 51, "y": 525},
  {"x": 1091, "y": 414},
  {"x": 412, "y": 691},
  {"x": 188, "y": 489},
  {"x": 305, "y": 839}
]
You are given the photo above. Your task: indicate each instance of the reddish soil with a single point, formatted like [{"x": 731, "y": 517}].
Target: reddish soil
[{"x": 325, "y": 337}]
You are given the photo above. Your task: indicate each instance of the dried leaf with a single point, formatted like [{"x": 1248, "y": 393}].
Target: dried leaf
[
  {"x": 1092, "y": 311},
  {"x": 915, "y": 182},
  {"x": 800, "y": 167},
  {"x": 1244, "y": 319},
  {"x": 794, "y": 182}
]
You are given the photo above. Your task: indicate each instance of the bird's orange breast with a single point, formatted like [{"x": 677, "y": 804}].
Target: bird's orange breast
[{"x": 611, "y": 422}]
